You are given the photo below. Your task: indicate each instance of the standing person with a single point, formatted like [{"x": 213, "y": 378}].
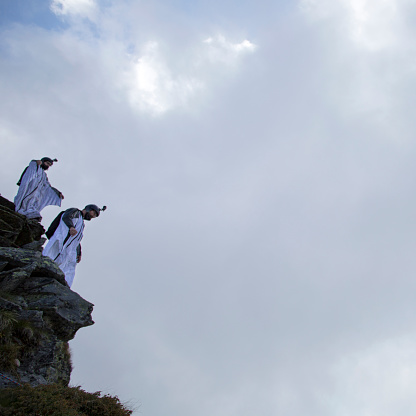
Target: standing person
[
  {"x": 35, "y": 192},
  {"x": 65, "y": 235}
]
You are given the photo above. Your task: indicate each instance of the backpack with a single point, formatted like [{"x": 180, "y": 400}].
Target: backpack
[
  {"x": 54, "y": 225},
  {"x": 21, "y": 176}
]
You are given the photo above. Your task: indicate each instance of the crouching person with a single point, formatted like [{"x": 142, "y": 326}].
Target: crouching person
[{"x": 65, "y": 235}]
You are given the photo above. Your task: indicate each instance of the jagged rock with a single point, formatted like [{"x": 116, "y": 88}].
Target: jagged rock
[
  {"x": 6, "y": 203},
  {"x": 50, "y": 364},
  {"x": 19, "y": 264},
  {"x": 34, "y": 317},
  {"x": 33, "y": 291},
  {"x": 15, "y": 229},
  {"x": 12, "y": 279},
  {"x": 7, "y": 305},
  {"x": 64, "y": 310},
  {"x": 35, "y": 245}
]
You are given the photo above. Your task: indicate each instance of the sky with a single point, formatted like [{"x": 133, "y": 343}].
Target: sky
[{"x": 257, "y": 161}]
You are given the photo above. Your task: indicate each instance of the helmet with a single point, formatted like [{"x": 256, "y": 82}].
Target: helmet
[
  {"x": 93, "y": 207},
  {"x": 48, "y": 159}
]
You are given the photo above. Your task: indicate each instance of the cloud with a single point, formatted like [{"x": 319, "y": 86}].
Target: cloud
[
  {"x": 372, "y": 24},
  {"x": 371, "y": 53},
  {"x": 148, "y": 72},
  {"x": 376, "y": 380},
  {"x": 222, "y": 50},
  {"x": 81, "y": 8},
  {"x": 263, "y": 243},
  {"x": 152, "y": 85}
]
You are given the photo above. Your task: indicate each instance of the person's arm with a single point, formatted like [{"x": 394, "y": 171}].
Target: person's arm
[
  {"x": 68, "y": 218},
  {"x": 79, "y": 254}
]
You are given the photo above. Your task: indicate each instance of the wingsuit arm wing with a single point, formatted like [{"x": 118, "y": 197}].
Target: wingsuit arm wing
[{"x": 59, "y": 193}]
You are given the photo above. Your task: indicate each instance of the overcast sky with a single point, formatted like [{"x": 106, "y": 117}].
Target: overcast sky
[{"x": 258, "y": 163}]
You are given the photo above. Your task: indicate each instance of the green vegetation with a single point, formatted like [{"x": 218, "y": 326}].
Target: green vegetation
[{"x": 57, "y": 400}]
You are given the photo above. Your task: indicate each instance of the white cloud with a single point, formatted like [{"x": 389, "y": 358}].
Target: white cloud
[
  {"x": 84, "y": 8},
  {"x": 370, "y": 52},
  {"x": 222, "y": 50},
  {"x": 155, "y": 76},
  {"x": 269, "y": 204},
  {"x": 153, "y": 85},
  {"x": 372, "y": 24},
  {"x": 376, "y": 381}
]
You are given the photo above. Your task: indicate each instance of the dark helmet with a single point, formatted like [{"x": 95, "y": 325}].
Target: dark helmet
[
  {"x": 48, "y": 159},
  {"x": 93, "y": 207}
]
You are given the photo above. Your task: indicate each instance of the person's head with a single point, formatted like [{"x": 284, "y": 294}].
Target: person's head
[
  {"x": 92, "y": 211},
  {"x": 47, "y": 162}
]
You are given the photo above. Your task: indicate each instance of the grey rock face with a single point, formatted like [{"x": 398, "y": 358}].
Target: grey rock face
[
  {"x": 15, "y": 229},
  {"x": 64, "y": 310},
  {"x": 39, "y": 313},
  {"x": 19, "y": 264}
]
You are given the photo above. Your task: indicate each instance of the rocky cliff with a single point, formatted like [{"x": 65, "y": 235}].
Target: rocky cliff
[{"x": 39, "y": 313}]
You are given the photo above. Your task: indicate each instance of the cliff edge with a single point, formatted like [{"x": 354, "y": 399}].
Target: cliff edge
[{"x": 39, "y": 313}]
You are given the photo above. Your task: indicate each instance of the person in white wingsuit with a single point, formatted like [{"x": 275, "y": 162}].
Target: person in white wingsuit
[
  {"x": 65, "y": 234},
  {"x": 35, "y": 192}
]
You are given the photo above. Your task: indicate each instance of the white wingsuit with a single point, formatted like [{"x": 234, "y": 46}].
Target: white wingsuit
[
  {"x": 62, "y": 247},
  {"x": 35, "y": 192}
]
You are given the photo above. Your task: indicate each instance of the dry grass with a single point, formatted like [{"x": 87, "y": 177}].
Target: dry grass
[{"x": 57, "y": 400}]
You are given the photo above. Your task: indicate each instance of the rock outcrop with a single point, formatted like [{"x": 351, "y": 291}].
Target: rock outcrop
[{"x": 39, "y": 313}]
